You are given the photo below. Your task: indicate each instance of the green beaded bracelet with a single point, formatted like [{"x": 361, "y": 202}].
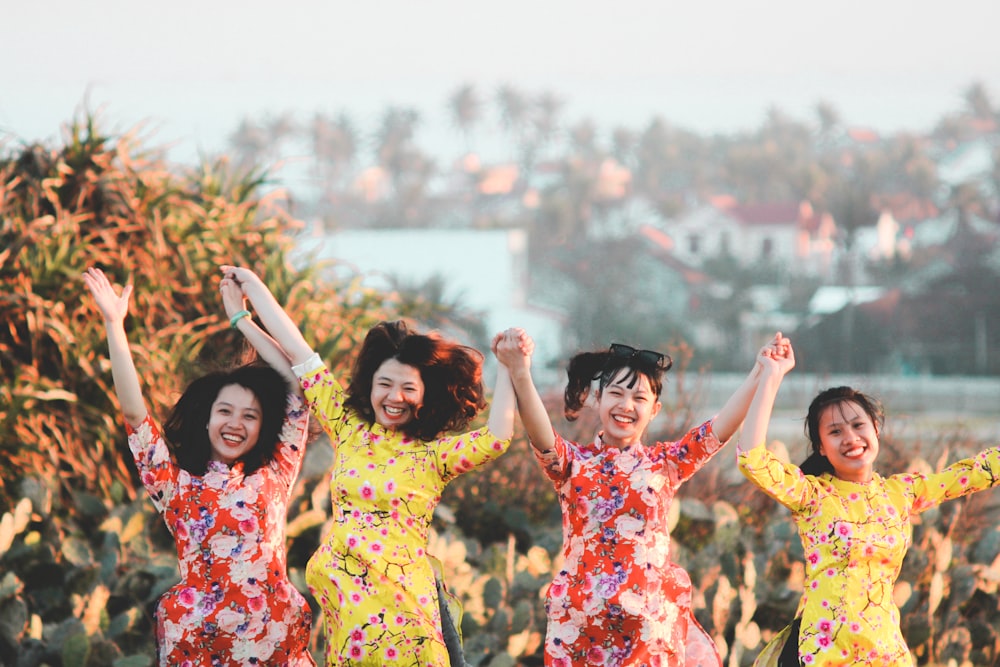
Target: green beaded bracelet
[{"x": 237, "y": 317}]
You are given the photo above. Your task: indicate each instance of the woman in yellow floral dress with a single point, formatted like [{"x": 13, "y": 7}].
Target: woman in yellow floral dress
[
  {"x": 855, "y": 529},
  {"x": 372, "y": 575}
]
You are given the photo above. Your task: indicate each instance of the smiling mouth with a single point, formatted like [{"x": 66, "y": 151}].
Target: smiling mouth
[
  {"x": 393, "y": 412},
  {"x": 231, "y": 439},
  {"x": 855, "y": 452},
  {"x": 624, "y": 421}
]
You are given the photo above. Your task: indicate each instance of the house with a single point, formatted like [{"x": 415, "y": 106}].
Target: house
[{"x": 787, "y": 234}]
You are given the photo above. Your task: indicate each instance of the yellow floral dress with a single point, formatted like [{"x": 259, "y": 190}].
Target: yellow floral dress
[
  {"x": 372, "y": 575},
  {"x": 854, "y": 537}
]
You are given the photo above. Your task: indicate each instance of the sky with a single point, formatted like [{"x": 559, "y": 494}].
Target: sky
[{"x": 190, "y": 71}]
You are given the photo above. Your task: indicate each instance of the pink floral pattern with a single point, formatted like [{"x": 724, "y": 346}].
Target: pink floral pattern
[
  {"x": 234, "y": 604},
  {"x": 855, "y": 537},
  {"x": 372, "y": 574},
  {"x": 620, "y": 601}
]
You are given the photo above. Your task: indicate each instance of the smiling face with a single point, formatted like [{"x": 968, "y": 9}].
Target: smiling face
[
  {"x": 397, "y": 393},
  {"x": 626, "y": 411},
  {"x": 234, "y": 423},
  {"x": 849, "y": 439}
]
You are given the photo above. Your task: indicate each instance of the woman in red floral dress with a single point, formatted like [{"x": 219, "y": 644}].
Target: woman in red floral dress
[
  {"x": 239, "y": 437},
  {"x": 619, "y": 600}
]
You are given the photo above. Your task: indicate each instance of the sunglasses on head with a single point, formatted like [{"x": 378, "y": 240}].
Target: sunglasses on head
[{"x": 645, "y": 357}]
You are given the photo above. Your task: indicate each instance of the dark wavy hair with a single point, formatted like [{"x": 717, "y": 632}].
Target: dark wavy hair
[
  {"x": 603, "y": 367},
  {"x": 452, "y": 375},
  {"x": 816, "y": 463},
  {"x": 186, "y": 426}
]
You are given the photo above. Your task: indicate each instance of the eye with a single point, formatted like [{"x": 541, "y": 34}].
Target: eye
[{"x": 251, "y": 416}]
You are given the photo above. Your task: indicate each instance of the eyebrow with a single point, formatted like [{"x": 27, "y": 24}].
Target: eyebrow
[{"x": 230, "y": 405}]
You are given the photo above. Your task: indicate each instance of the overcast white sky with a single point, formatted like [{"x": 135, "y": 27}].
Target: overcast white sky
[{"x": 192, "y": 69}]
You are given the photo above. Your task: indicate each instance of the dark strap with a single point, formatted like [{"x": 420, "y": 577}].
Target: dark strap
[{"x": 790, "y": 651}]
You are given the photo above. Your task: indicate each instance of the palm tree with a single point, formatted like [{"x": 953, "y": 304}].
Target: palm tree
[
  {"x": 466, "y": 111},
  {"x": 513, "y": 107},
  {"x": 978, "y": 101}
]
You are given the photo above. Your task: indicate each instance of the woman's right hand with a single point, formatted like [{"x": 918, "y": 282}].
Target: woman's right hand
[{"x": 113, "y": 306}]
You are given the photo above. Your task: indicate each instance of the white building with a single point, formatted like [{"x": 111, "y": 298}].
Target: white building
[
  {"x": 786, "y": 233},
  {"x": 484, "y": 270}
]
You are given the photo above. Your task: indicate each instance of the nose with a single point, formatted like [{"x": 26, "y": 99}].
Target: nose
[{"x": 394, "y": 394}]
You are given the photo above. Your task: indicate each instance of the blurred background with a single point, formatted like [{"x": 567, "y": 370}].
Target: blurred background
[{"x": 688, "y": 178}]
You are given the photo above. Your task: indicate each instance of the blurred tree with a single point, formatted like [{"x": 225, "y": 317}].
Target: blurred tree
[
  {"x": 466, "y": 109},
  {"x": 513, "y": 108},
  {"x": 978, "y": 101},
  {"x": 408, "y": 168}
]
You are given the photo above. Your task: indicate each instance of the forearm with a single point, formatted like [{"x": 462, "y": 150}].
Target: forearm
[
  {"x": 759, "y": 413},
  {"x": 534, "y": 416},
  {"x": 729, "y": 418},
  {"x": 501, "y": 420},
  {"x": 125, "y": 377},
  {"x": 269, "y": 351},
  {"x": 279, "y": 325}
]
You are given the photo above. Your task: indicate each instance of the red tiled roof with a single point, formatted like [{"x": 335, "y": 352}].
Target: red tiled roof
[{"x": 776, "y": 213}]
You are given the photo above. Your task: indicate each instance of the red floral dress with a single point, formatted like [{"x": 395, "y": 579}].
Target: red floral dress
[
  {"x": 619, "y": 600},
  {"x": 234, "y": 604}
]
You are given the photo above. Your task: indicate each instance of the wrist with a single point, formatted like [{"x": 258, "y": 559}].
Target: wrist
[{"x": 237, "y": 316}]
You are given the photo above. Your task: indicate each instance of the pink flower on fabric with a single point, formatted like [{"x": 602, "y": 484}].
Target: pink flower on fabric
[
  {"x": 595, "y": 655},
  {"x": 188, "y": 597},
  {"x": 356, "y": 651},
  {"x": 256, "y": 604},
  {"x": 391, "y": 653}
]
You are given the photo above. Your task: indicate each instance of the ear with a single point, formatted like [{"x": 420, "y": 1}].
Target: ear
[{"x": 656, "y": 410}]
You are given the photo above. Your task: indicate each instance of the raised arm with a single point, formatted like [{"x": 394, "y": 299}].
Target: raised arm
[
  {"x": 774, "y": 363},
  {"x": 514, "y": 352},
  {"x": 504, "y": 404},
  {"x": 114, "y": 308},
  {"x": 233, "y": 300},
  {"x": 732, "y": 414},
  {"x": 274, "y": 318}
]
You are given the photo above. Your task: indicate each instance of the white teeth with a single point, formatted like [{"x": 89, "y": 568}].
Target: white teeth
[
  {"x": 231, "y": 438},
  {"x": 394, "y": 411},
  {"x": 623, "y": 420}
]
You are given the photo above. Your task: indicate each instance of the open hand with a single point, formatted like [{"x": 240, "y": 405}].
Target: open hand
[{"x": 113, "y": 306}]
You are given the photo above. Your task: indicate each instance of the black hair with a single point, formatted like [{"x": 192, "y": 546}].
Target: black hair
[
  {"x": 586, "y": 367},
  {"x": 817, "y": 464},
  {"x": 186, "y": 426},
  {"x": 452, "y": 375}
]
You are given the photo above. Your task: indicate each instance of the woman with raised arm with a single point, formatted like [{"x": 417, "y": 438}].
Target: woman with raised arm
[
  {"x": 619, "y": 600},
  {"x": 855, "y": 527},
  {"x": 393, "y": 456},
  {"x": 222, "y": 485}
]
